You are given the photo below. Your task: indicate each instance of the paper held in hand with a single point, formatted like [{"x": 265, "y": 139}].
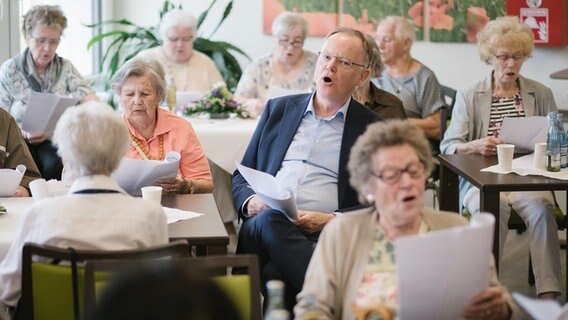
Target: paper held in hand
[
  {"x": 269, "y": 190},
  {"x": 133, "y": 174},
  {"x": 11, "y": 179},
  {"x": 439, "y": 272},
  {"x": 42, "y": 189},
  {"x": 541, "y": 309},
  {"x": 43, "y": 112}
]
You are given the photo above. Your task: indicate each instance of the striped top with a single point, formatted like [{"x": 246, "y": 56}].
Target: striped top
[{"x": 511, "y": 107}]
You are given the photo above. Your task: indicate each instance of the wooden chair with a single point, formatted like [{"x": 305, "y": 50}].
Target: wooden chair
[
  {"x": 243, "y": 290},
  {"x": 448, "y": 96},
  {"x": 52, "y": 279}
]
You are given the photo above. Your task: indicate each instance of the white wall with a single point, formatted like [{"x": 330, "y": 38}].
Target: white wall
[{"x": 455, "y": 64}]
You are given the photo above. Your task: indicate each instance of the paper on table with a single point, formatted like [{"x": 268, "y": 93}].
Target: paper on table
[
  {"x": 269, "y": 190},
  {"x": 523, "y": 166},
  {"x": 542, "y": 309},
  {"x": 44, "y": 110},
  {"x": 431, "y": 269},
  {"x": 42, "y": 189},
  {"x": 11, "y": 179},
  {"x": 524, "y": 133},
  {"x": 133, "y": 174},
  {"x": 275, "y": 92},
  {"x": 175, "y": 215}
]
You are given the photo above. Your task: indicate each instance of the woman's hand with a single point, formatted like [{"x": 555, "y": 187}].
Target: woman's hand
[
  {"x": 488, "y": 304},
  {"x": 486, "y": 146},
  {"x": 34, "y": 138},
  {"x": 172, "y": 185}
]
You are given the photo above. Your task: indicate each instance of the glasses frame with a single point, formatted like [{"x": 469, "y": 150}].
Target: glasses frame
[
  {"x": 398, "y": 172},
  {"x": 41, "y": 41},
  {"x": 294, "y": 43},
  {"x": 517, "y": 57},
  {"x": 344, "y": 62}
]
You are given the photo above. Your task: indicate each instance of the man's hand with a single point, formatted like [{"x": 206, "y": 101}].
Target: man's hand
[
  {"x": 312, "y": 221},
  {"x": 255, "y": 205},
  {"x": 35, "y": 138},
  {"x": 21, "y": 192}
]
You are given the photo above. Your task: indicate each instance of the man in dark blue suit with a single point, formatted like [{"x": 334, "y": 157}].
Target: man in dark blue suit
[{"x": 304, "y": 141}]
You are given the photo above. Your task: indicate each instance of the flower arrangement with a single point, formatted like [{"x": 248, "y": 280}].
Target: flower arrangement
[{"x": 218, "y": 103}]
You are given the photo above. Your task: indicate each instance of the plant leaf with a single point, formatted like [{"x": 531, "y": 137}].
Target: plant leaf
[{"x": 226, "y": 13}]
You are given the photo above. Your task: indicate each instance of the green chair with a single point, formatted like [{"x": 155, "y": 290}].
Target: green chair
[
  {"x": 243, "y": 290},
  {"x": 53, "y": 278}
]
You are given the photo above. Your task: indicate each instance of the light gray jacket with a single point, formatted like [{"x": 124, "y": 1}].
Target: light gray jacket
[{"x": 472, "y": 110}]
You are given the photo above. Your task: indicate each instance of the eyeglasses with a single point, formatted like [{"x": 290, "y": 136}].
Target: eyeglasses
[
  {"x": 517, "y": 56},
  {"x": 42, "y": 41},
  {"x": 391, "y": 175},
  {"x": 344, "y": 62},
  {"x": 182, "y": 39},
  {"x": 293, "y": 43}
]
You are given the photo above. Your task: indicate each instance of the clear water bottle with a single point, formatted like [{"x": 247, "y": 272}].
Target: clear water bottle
[
  {"x": 275, "y": 293},
  {"x": 553, "y": 144},
  {"x": 563, "y": 141}
]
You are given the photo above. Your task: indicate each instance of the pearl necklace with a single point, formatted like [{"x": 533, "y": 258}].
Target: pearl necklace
[{"x": 146, "y": 151}]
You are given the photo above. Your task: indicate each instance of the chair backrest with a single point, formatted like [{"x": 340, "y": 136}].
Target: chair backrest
[
  {"x": 52, "y": 280},
  {"x": 243, "y": 290},
  {"x": 449, "y": 97}
]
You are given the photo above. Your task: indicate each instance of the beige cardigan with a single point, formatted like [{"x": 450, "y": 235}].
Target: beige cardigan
[{"x": 337, "y": 265}]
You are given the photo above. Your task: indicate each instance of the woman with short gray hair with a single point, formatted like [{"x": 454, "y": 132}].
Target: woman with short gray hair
[
  {"x": 353, "y": 272},
  {"x": 287, "y": 67},
  {"x": 188, "y": 69},
  {"x": 96, "y": 213}
]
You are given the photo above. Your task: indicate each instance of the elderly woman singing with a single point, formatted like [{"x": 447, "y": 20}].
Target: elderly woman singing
[
  {"x": 154, "y": 132},
  {"x": 388, "y": 166},
  {"x": 505, "y": 44}
]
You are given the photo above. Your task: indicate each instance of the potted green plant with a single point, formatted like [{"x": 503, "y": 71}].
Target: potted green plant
[{"x": 124, "y": 45}]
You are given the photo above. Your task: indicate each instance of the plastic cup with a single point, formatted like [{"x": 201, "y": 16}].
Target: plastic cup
[
  {"x": 152, "y": 193},
  {"x": 539, "y": 156},
  {"x": 505, "y": 156}
]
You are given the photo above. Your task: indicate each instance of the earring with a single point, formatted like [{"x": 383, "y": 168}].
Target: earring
[{"x": 370, "y": 198}]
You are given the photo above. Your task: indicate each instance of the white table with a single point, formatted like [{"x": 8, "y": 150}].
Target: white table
[{"x": 224, "y": 143}]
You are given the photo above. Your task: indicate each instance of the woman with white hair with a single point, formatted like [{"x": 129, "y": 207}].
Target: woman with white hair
[
  {"x": 190, "y": 70},
  {"x": 288, "y": 66},
  {"x": 96, "y": 214},
  {"x": 407, "y": 78}
]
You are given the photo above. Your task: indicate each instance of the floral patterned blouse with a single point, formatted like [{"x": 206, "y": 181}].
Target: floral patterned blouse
[
  {"x": 259, "y": 78},
  {"x": 15, "y": 90}
]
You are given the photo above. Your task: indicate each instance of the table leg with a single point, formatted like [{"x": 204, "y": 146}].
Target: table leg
[
  {"x": 449, "y": 190},
  {"x": 489, "y": 202}
]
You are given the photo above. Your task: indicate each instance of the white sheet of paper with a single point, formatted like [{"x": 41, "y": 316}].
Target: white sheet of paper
[
  {"x": 42, "y": 189},
  {"x": 431, "y": 268},
  {"x": 133, "y": 174},
  {"x": 524, "y": 133},
  {"x": 44, "y": 110},
  {"x": 270, "y": 191},
  {"x": 184, "y": 98},
  {"x": 175, "y": 215},
  {"x": 11, "y": 179},
  {"x": 541, "y": 309},
  {"x": 275, "y": 92}
]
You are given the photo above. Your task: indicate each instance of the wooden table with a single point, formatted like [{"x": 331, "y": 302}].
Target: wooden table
[
  {"x": 206, "y": 233},
  {"x": 490, "y": 184}
]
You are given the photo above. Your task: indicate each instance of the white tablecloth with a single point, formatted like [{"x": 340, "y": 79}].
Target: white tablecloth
[
  {"x": 224, "y": 141},
  {"x": 9, "y": 222}
]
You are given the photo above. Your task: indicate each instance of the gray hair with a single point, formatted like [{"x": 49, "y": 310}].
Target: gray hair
[
  {"x": 381, "y": 135},
  {"x": 286, "y": 21},
  {"x": 91, "y": 139},
  {"x": 403, "y": 28},
  {"x": 48, "y": 15},
  {"x": 375, "y": 62},
  {"x": 504, "y": 31},
  {"x": 367, "y": 47},
  {"x": 139, "y": 67},
  {"x": 177, "y": 18}
]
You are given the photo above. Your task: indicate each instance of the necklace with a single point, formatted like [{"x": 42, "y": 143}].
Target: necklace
[{"x": 146, "y": 151}]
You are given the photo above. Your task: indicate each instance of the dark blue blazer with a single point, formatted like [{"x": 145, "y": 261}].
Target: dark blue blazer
[{"x": 274, "y": 133}]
